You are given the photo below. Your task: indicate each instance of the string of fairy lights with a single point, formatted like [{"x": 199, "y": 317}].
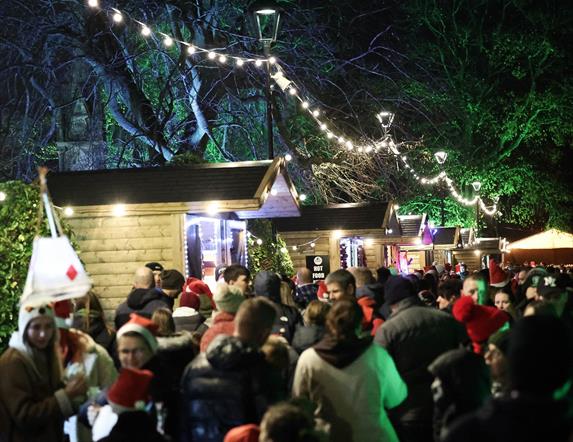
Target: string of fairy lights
[
  {"x": 311, "y": 244},
  {"x": 289, "y": 87}
]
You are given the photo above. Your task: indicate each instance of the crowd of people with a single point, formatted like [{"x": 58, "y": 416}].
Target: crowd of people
[{"x": 435, "y": 355}]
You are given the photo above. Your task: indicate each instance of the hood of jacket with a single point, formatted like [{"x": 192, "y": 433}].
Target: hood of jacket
[
  {"x": 230, "y": 353},
  {"x": 341, "y": 353},
  {"x": 175, "y": 342},
  {"x": 268, "y": 284},
  {"x": 139, "y": 298},
  {"x": 373, "y": 291}
]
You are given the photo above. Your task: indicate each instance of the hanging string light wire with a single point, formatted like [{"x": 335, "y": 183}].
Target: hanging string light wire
[{"x": 289, "y": 86}]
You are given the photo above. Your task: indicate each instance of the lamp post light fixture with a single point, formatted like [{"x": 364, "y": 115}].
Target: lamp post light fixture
[
  {"x": 267, "y": 19},
  {"x": 477, "y": 186},
  {"x": 441, "y": 157},
  {"x": 385, "y": 118}
]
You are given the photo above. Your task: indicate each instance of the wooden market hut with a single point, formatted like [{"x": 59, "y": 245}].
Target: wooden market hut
[
  {"x": 445, "y": 240},
  {"x": 190, "y": 218},
  {"x": 341, "y": 235}
]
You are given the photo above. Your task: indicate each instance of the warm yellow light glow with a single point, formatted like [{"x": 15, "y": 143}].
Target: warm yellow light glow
[
  {"x": 2, "y": 196},
  {"x": 117, "y": 17},
  {"x": 212, "y": 209},
  {"x": 68, "y": 211},
  {"x": 337, "y": 234},
  {"x": 118, "y": 210}
]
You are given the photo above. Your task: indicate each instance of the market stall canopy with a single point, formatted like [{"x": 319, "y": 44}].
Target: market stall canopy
[
  {"x": 551, "y": 239},
  {"x": 347, "y": 217},
  {"x": 251, "y": 189}
]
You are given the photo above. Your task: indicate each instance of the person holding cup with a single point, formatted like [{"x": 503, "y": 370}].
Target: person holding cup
[{"x": 34, "y": 402}]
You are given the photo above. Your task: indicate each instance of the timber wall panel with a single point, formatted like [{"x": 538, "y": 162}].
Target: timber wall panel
[{"x": 112, "y": 248}]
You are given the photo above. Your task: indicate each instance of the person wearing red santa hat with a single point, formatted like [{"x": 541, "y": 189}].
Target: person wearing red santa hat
[
  {"x": 481, "y": 321},
  {"x": 137, "y": 348},
  {"x": 197, "y": 295},
  {"x": 126, "y": 417}
]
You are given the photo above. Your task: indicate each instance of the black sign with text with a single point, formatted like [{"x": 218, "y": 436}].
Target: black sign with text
[{"x": 319, "y": 265}]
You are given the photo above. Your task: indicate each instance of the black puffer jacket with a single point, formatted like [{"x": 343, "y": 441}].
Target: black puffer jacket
[
  {"x": 143, "y": 302},
  {"x": 305, "y": 336},
  {"x": 225, "y": 387},
  {"x": 415, "y": 336}
]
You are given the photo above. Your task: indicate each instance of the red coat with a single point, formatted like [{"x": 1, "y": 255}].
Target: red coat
[{"x": 223, "y": 324}]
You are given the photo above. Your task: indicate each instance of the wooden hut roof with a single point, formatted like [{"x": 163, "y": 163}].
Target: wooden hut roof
[
  {"x": 352, "y": 216},
  {"x": 411, "y": 225},
  {"x": 252, "y": 189},
  {"x": 446, "y": 236}
]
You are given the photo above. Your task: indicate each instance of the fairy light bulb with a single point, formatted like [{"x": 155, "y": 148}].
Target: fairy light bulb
[
  {"x": 68, "y": 211},
  {"x": 272, "y": 60},
  {"x": 117, "y": 17},
  {"x": 288, "y": 157},
  {"x": 145, "y": 31},
  {"x": 294, "y": 248},
  {"x": 240, "y": 62},
  {"x": 93, "y": 3},
  {"x": 313, "y": 245},
  {"x": 191, "y": 50},
  {"x": 211, "y": 55},
  {"x": 292, "y": 91},
  {"x": 258, "y": 63},
  {"x": 323, "y": 126},
  {"x": 329, "y": 135},
  {"x": 302, "y": 197},
  {"x": 222, "y": 59},
  {"x": 167, "y": 41},
  {"x": 349, "y": 145},
  {"x": 284, "y": 250},
  {"x": 305, "y": 104},
  {"x": 259, "y": 241},
  {"x": 315, "y": 113}
]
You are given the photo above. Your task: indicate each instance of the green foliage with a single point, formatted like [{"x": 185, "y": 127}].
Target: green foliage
[
  {"x": 19, "y": 220},
  {"x": 455, "y": 213},
  {"x": 186, "y": 158},
  {"x": 268, "y": 255}
]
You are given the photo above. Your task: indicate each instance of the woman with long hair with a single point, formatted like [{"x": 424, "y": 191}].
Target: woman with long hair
[{"x": 33, "y": 400}]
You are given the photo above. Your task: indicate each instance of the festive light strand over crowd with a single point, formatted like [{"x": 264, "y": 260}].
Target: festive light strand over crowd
[{"x": 290, "y": 87}]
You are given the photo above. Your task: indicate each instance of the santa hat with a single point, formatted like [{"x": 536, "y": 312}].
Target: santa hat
[
  {"x": 191, "y": 290},
  {"x": 497, "y": 277},
  {"x": 131, "y": 390},
  {"x": 63, "y": 311},
  {"x": 144, "y": 327},
  {"x": 481, "y": 321},
  {"x": 322, "y": 292},
  {"x": 243, "y": 433}
]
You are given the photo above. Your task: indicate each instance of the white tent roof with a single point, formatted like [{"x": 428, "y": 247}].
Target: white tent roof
[{"x": 551, "y": 239}]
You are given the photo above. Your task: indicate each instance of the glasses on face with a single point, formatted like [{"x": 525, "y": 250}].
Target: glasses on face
[{"x": 135, "y": 351}]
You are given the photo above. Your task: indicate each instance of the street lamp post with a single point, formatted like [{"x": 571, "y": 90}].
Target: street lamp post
[
  {"x": 477, "y": 186},
  {"x": 441, "y": 157},
  {"x": 267, "y": 18}
]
